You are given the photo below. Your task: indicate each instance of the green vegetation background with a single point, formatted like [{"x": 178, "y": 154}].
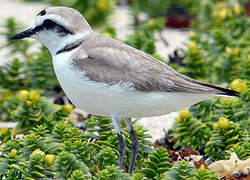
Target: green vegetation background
[{"x": 46, "y": 145}]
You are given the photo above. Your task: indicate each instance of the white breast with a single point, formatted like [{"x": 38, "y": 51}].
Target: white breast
[{"x": 102, "y": 99}]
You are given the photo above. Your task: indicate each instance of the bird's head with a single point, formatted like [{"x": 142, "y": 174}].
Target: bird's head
[{"x": 55, "y": 26}]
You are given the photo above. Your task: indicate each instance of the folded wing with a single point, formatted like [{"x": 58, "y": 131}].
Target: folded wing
[{"x": 113, "y": 62}]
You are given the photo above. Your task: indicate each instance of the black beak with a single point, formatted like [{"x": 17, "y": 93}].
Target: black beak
[{"x": 24, "y": 34}]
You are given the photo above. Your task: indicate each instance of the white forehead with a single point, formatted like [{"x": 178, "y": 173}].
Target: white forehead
[{"x": 58, "y": 19}]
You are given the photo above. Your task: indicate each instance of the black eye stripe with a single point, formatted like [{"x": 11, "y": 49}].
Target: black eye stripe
[{"x": 50, "y": 24}]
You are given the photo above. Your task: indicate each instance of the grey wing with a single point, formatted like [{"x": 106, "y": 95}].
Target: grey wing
[
  {"x": 114, "y": 66},
  {"x": 119, "y": 63}
]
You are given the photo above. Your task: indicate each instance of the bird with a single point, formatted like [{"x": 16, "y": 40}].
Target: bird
[{"x": 106, "y": 77}]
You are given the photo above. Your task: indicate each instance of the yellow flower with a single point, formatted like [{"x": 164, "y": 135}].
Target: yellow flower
[
  {"x": 28, "y": 103},
  {"x": 178, "y": 119},
  {"x": 139, "y": 132},
  {"x": 238, "y": 85},
  {"x": 68, "y": 108},
  {"x": 37, "y": 152},
  {"x": 13, "y": 132},
  {"x": 237, "y": 9},
  {"x": 192, "y": 34},
  {"x": 192, "y": 47},
  {"x": 50, "y": 159},
  {"x": 223, "y": 123},
  {"x": 107, "y": 34},
  {"x": 23, "y": 94},
  {"x": 184, "y": 114},
  {"x": 215, "y": 126},
  {"x": 13, "y": 152},
  {"x": 202, "y": 167},
  {"x": 228, "y": 50},
  {"x": 102, "y": 5},
  {"x": 4, "y": 131},
  {"x": 152, "y": 23},
  {"x": 34, "y": 96},
  {"x": 222, "y": 14},
  {"x": 236, "y": 51}
]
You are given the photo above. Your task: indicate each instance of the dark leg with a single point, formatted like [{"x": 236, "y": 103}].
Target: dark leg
[
  {"x": 134, "y": 147},
  {"x": 122, "y": 146},
  {"x": 122, "y": 150}
]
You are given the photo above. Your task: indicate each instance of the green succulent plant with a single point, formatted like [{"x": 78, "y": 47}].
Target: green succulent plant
[
  {"x": 12, "y": 28},
  {"x": 182, "y": 170},
  {"x": 157, "y": 164},
  {"x": 11, "y": 75},
  {"x": 51, "y": 147},
  {"x": 204, "y": 174},
  {"x": 219, "y": 48},
  {"x": 224, "y": 136},
  {"x": 188, "y": 131},
  {"x": 242, "y": 150}
]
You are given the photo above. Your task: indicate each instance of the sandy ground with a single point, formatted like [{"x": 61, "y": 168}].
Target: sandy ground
[{"x": 121, "y": 20}]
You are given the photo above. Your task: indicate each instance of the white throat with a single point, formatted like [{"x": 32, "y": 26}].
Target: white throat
[{"x": 55, "y": 43}]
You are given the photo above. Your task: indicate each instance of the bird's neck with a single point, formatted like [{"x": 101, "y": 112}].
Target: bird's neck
[{"x": 68, "y": 43}]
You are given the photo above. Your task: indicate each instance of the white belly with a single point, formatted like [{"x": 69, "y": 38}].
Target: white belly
[{"x": 105, "y": 100}]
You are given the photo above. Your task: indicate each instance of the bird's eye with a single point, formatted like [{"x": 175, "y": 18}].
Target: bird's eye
[
  {"x": 42, "y": 13},
  {"x": 49, "y": 24}
]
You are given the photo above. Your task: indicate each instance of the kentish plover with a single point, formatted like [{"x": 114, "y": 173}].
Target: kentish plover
[{"x": 106, "y": 77}]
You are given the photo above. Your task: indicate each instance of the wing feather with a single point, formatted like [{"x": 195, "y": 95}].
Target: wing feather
[{"x": 113, "y": 62}]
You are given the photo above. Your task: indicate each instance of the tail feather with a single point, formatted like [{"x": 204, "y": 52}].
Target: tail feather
[{"x": 222, "y": 91}]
